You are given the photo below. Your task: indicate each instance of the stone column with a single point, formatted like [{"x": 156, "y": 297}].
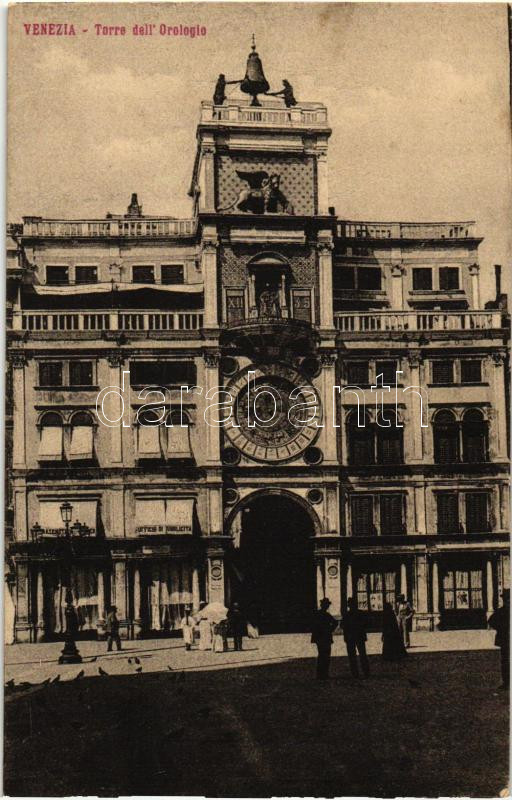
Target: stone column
[
  {"x": 211, "y": 381},
  {"x": 115, "y": 407},
  {"x": 420, "y": 510},
  {"x": 333, "y": 584},
  {"x": 216, "y": 593},
  {"x": 195, "y": 589},
  {"x": 490, "y": 586},
  {"x": 23, "y": 628},
  {"x": 474, "y": 271},
  {"x": 325, "y": 247},
  {"x": 101, "y": 605},
  {"x": 349, "y": 583},
  {"x": 18, "y": 361},
  {"x": 121, "y": 601},
  {"x": 414, "y": 406},
  {"x": 40, "y": 629},
  {"x": 403, "y": 579},
  {"x": 252, "y": 296},
  {"x": 215, "y": 521},
  {"x": 137, "y": 610},
  {"x": 209, "y": 270},
  {"x": 397, "y": 293},
  {"x": 500, "y": 406},
  {"x": 435, "y": 594},
  {"x": 422, "y": 618},
  {"x": 207, "y": 197},
  {"x": 322, "y": 181},
  {"x": 320, "y": 592},
  {"x": 328, "y": 438}
]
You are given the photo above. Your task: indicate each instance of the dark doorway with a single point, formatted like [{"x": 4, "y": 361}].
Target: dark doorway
[{"x": 272, "y": 573}]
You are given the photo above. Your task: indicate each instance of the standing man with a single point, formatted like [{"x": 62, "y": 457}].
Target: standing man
[
  {"x": 112, "y": 629},
  {"x": 404, "y": 613},
  {"x": 187, "y": 626},
  {"x": 500, "y": 621},
  {"x": 237, "y": 625},
  {"x": 323, "y": 626},
  {"x": 354, "y": 633}
]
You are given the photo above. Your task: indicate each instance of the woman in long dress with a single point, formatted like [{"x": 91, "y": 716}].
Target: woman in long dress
[
  {"x": 393, "y": 648},
  {"x": 205, "y": 629},
  {"x": 187, "y": 626}
]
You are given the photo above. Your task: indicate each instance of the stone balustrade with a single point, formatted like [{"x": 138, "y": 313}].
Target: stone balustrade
[
  {"x": 353, "y": 229},
  {"x": 374, "y": 321},
  {"x": 139, "y": 227},
  {"x": 48, "y": 321}
]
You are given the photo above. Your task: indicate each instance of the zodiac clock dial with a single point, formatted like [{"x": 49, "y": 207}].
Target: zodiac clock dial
[{"x": 276, "y": 413}]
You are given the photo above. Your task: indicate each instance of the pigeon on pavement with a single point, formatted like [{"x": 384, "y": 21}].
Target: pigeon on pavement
[
  {"x": 80, "y": 675},
  {"x": 137, "y": 660},
  {"x": 56, "y": 679},
  {"x": 102, "y": 671},
  {"x": 139, "y": 670}
]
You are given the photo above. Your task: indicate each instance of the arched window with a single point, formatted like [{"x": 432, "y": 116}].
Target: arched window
[
  {"x": 474, "y": 437},
  {"x": 50, "y": 442},
  {"x": 148, "y": 434},
  {"x": 389, "y": 439},
  {"x": 82, "y": 429},
  {"x": 446, "y": 438},
  {"x": 361, "y": 441},
  {"x": 178, "y": 436}
]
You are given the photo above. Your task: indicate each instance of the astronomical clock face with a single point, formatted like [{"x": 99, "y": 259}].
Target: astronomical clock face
[{"x": 276, "y": 413}]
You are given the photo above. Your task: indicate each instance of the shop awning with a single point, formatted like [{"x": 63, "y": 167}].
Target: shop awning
[
  {"x": 81, "y": 442},
  {"x": 84, "y": 512},
  {"x": 172, "y": 515},
  {"x": 148, "y": 441},
  {"x": 50, "y": 444}
]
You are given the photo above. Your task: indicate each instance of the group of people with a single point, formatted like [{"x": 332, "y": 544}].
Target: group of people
[
  {"x": 214, "y": 634},
  {"x": 396, "y": 627}
]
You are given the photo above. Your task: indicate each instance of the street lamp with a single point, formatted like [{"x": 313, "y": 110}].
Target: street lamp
[{"x": 70, "y": 654}]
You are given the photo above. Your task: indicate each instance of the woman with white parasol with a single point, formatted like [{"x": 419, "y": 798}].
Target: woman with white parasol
[{"x": 208, "y": 616}]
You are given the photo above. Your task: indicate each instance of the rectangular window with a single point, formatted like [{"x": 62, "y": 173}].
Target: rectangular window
[
  {"x": 358, "y": 373},
  {"x": 344, "y": 278},
  {"x": 143, "y": 274},
  {"x": 388, "y": 371},
  {"x": 470, "y": 371},
  {"x": 477, "y": 518},
  {"x": 442, "y": 371},
  {"x": 391, "y": 515},
  {"x": 162, "y": 373},
  {"x": 369, "y": 278},
  {"x": 448, "y": 513},
  {"x": 448, "y": 279},
  {"x": 374, "y": 589},
  {"x": 172, "y": 273},
  {"x": 462, "y": 589},
  {"x": 57, "y": 276},
  {"x": 86, "y": 275},
  {"x": 362, "y": 516},
  {"x": 80, "y": 373},
  {"x": 50, "y": 374},
  {"x": 422, "y": 279}
]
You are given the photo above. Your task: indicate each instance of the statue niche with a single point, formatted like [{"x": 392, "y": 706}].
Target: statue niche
[{"x": 263, "y": 195}]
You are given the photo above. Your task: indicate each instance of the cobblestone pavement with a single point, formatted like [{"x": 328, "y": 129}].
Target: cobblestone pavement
[{"x": 38, "y": 662}]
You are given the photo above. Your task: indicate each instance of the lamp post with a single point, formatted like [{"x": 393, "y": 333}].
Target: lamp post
[{"x": 70, "y": 654}]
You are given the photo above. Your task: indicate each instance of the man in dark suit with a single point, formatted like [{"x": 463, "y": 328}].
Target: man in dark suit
[
  {"x": 321, "y": 634},
  {"x": 500, "y": 621},
  {"x": 354, "y": 633},
  {"x": 112, "y": 629}
]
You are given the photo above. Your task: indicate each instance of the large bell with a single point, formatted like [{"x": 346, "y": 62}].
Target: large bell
[{"x": 254, "y": 82}]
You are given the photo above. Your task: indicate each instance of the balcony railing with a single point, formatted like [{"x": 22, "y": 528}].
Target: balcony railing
[
  {"x": 368, "y": 321},
  {"x": 47, "y": 321},
  {"x": 108, "y": 228},
  {"x": 352, "y": 229},
  {"x": 270, "y": 113}
]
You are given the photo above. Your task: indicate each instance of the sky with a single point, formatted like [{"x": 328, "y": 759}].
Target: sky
[{"x": 417, "y": 96}]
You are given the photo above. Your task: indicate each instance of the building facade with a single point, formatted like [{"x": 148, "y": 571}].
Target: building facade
[{"x": 264, "y": 296}]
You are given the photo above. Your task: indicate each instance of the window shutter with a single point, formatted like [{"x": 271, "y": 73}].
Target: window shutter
[{"x": 362, "y": 516}]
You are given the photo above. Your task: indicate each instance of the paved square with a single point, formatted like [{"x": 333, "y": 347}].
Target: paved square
[{"x": 257, "y": 723}]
